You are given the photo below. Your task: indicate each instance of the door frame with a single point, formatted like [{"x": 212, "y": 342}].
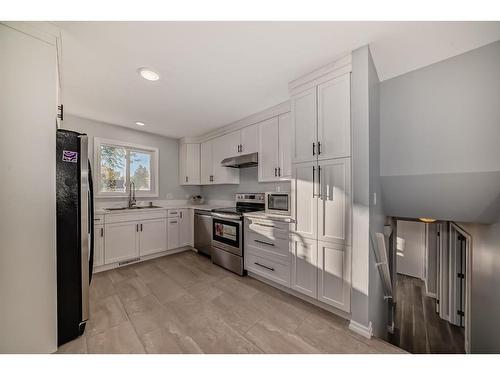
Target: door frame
[{"x": 468, "y": 279}]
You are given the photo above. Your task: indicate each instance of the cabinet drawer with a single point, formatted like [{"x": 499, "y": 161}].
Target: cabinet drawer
[
  {"x": 274, "y": 271},
  {"x": 268, "y": 223},
  {"x": 159, "y": 214},
  {"x": 98, "y": 219},
  {"x": 267, "y": 243},
  {"x": 174, "y": 213},
  {"x": 120, "y": 218}
]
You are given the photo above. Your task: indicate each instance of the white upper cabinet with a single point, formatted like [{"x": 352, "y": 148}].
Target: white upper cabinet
[
  {"x": 334, "y": 200},
  {"x": 206, "y": 163},
  {"x": 334, "y": 275},
  {"x": 189, "y": 164},
  {"x": 334, "y": 118},
  {"x": 304, "y": 126},
  {"x": 232, "y": 143},
  {"x": 284, "y": 146},
  {"x": 274, "y": 149},
  {"x": 268, "y": 150},
  {"x": 224, "y": 147},
  {"x": 249, "y": 140}
]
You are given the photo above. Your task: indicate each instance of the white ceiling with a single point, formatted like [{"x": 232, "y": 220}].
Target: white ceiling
[{"x": 214, "y": 73}]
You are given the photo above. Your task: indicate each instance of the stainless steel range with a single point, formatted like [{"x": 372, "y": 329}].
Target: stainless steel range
[{"x": 227, "y": 231}]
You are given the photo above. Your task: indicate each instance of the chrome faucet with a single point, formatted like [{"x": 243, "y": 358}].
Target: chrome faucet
[{"x": 131, "y": 195}]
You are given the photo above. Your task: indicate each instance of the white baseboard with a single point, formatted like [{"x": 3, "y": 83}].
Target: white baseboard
[{"x": 362, "y": 330}]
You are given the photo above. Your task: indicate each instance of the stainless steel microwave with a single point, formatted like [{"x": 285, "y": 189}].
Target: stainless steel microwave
[{"x": 278, "y": 203}]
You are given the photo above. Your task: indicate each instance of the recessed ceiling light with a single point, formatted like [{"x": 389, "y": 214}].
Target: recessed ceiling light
[
  {"x": 148, "y": 74},
  {"x": 140, "y": 123}
]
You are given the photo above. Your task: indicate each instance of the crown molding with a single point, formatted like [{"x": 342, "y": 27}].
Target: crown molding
[{"x": 240, "y": 124}]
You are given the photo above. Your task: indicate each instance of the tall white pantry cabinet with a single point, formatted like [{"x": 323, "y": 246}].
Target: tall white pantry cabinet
[{"x": 321, "y": 185}]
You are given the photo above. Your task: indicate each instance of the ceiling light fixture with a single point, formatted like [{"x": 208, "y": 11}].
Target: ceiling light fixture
[
  {"x": 148, "y": 74},
  {"x": 426, "y": 220},
  {"x": 140, "y": 123}
]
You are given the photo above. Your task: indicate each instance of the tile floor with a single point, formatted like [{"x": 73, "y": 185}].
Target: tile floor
[{"x": 183, "y": 303}]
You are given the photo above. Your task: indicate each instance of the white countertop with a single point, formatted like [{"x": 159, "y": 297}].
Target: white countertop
[
  {"x": 173, "y": 206},
  {"x": 264, "y": 215}
]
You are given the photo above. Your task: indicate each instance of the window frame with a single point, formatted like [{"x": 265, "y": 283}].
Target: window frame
[{"x": 155, "y": 155}]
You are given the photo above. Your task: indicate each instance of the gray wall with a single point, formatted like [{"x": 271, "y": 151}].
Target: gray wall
[
  {"x": 485, "y": 296},
  {"x": 360, "y": 187},
  {"x": 439, "y": 139},
  {"x": 378, "y": 305},
  {"x": 248, "y": 184},
  {"x": 169, "y": 153}
]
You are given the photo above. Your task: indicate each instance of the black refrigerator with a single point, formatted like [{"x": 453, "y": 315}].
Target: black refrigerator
[{"x": 75, "y": 245}]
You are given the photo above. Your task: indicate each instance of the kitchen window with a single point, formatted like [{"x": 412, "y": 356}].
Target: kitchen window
[{"x": 119, "y": 163}]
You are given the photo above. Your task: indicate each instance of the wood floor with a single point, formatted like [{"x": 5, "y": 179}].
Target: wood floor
[
  {"x": 184, "y": 304},
  {"x": 417, "y": 326}
]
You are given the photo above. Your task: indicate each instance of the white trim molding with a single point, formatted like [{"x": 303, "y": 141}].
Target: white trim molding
[
  {"x": 360, "y": 329},
  {"x": 155, "y": 170},
  {"x": 255, "y": 118}
]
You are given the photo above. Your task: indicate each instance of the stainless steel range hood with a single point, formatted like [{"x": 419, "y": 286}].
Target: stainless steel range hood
[{"x": 242, "y": 161}]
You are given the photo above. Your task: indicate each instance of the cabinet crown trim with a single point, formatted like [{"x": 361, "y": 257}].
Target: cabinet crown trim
[{"x": 322, "y": 74}]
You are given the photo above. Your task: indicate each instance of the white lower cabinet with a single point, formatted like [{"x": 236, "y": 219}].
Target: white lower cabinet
[
  {"x": 98, "y": 245},
  {"x": 153, "y": 237},
  {"x": 305, "y": 266},
  {"x": 173, "y": 233},
  {"x": 121, "y": 241},
  {"x": 334, "y": 275},
  {"x": 186, "y": 220}
]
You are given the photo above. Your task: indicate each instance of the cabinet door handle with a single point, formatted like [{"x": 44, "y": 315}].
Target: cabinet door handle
[
  {"x": 314, "y": 148},
  {"x": 314, "y": 178},
  {"x": 102, "y": 232},
  {"x": 279, "y": 171},
  {"x": 319, "y": 181},
  {"x": 186, "y": 178},
  {"x": 275, "y": 172},
  {"x": 141, "y": 227},
  {"x": 137, "y": 227},
  {"x": 319, "y": 148},
  {"x": 261, "y": 265},
  {"x": 264, "y": 242},
  {"x": 180, "y": 213},
  {"x": 173, "y": 222}
]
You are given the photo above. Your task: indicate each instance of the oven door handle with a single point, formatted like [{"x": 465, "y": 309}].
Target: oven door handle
[{"x": 229, "y": 217}]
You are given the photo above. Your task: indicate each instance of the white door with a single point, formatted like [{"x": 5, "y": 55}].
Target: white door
[
  {"x": 334, "y": 203},
  {"x": 121, "y": 242},
  {"x": 305, "y": 265},
  {"x": 206, "y": 163},
  {"x": 185, "y": 227},
  {"x": 98, "y": 245},
  {"x": 410, "y": 248},
  {"x": 334, "y": 118},
  {"x": 285, "y": 146},
  {"x": 192, "y": 164},
  {"x": 304, "y": 126},
  {"x": 153, "y": 236},
  {"x": 305, "y": 203},
  {"x": 173, "y": 233},
  {"x": 224, "y": 147},
  {"x": 268, "y": 150},
  {"x": 334, "y": 275},
  {"x": 249, "y": 139}
]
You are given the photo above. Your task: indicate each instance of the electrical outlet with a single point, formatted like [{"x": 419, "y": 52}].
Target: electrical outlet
[
  {"x": 374, "y": 199},
  {"x": 278, "y": 189}
]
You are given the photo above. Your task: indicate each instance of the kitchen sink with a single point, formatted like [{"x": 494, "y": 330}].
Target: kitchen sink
[{"x": 130, "y": 208}]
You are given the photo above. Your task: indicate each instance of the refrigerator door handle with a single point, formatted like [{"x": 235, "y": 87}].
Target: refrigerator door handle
[{"x": 84, "y": 225}]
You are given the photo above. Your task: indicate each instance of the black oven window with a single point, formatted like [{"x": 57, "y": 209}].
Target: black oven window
[{"x": 226, "y": 232}]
